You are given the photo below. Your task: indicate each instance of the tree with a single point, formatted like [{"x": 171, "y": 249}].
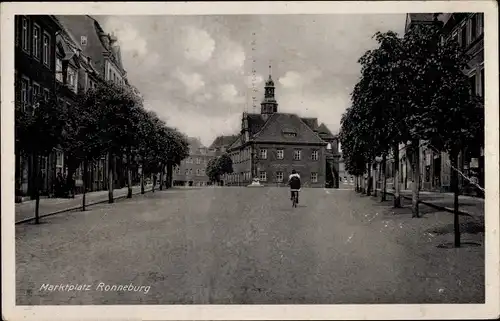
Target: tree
[
  {"x": 216, "y": 167},
  {"x": 38, "y": 130},
  {"x": 82, "y": 137},
  {"x": 119, "y": 117}
]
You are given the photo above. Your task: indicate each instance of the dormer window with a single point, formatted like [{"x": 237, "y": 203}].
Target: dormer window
[{"x": 289, "y": 133}]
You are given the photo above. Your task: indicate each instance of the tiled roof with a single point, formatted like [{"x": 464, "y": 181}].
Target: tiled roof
[
  {"x": 279, "y": 124},
  {"x": 311, "y": 122},
  {"x": 223, "y": 141},
  {"x": 421, "y": 17},
  {"x": 82, "y": 25},
  {"x": 324, "y": 132}
]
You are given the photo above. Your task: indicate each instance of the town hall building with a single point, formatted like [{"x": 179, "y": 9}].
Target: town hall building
[{"x": 271, "y": 144}]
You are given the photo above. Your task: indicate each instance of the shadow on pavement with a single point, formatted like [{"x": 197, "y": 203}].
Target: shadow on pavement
[{"x": 465, "y": 228}]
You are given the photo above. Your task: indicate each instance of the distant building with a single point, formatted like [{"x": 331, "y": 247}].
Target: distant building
[
  {"x": 192, "y": 170},
  {"x": 271, "y": 144}
]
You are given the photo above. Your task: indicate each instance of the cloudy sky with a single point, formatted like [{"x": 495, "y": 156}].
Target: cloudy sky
[{"x": 196, "y": 71}]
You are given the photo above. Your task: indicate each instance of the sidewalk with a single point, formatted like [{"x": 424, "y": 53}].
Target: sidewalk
[
  {"x": 26, "y": 210},
  {"x": 468, "y": 205}
]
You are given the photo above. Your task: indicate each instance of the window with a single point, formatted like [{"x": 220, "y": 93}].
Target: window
[
  {"x": 59, "y": 70},
  {"x": 46, "y": 94},
  {"x": 59, "y": 159},
  {"x": 190, "y": 171},
  {"x": 263, "y": 153},
  {"x": 296, "y": 154},
  {"x": 314, "y": 155},
  {"x": 263, "y": 176},
  {"x": 46, "y": 49},
  {"x": 480, "y": 23},
  {"x": 198, "y": 161},
  {"x": 473, "y": 27},
  {"x": 482, "y": 82},
  {"x": 72, "y": 79},
  {"x": 189, "y": 160},
  {"x": 314, "y": 177},
  {"x": 35, "y": 92},
  {"x": 472, "y": 81},
  {"x": 24, "y": 91},
  {"x": 187, "y": 172},
  {"x": 198, "y": 172},
  {"x": 463, "y": 36},
  {"x": 36, "y": 41},
  {"x": 279, "y": 176},
  {"x": 178, "y": 170},
  {"x": 25, "y": 35},
  {"x": 280, "y": 153}
]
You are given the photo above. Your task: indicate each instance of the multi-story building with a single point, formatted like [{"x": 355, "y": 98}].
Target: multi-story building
[
  {"x": 467, "y": 29},
  {"x": 192, "y": 170},
  {"x": 271, "y": 144},
  {"x": 101, "y": 59},
  {"x": 35, "y": 39}
]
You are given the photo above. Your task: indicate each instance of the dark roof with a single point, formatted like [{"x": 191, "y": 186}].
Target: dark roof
[
  {"x": 82, "y": 25},
  {"x": 421, "y": 17},
  {"x": 223, "y": 141},
  {"x": 311, "y": 122},
  {"x": 324, "y": 132},
  {"x": 279, "y": 123},
  {"x": 255, "y": 123}
]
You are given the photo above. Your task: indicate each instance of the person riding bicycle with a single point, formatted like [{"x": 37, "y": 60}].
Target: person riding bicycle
[{"x": 294, "y": 183}]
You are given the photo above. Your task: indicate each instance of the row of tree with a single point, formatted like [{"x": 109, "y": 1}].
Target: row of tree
[
  {"x": 412, "y": 90},
  {"x": 108, "y": 121}
]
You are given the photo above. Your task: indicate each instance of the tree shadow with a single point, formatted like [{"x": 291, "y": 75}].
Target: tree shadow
[
  {"x": 451, "y": 245},
  {"x": 465, "y": 228}
]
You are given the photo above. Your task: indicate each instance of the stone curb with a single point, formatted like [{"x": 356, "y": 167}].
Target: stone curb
[{"x": 79, "y": 207}]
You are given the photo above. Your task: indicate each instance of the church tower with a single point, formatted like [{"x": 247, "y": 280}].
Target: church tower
[{"x": 269, "y": 105}]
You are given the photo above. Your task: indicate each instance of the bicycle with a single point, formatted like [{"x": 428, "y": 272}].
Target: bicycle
[{"x": 295, "y": 198}]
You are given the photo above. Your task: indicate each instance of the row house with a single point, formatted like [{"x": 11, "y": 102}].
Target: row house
[
  {"x": 100, "y": 57},
  {"x": 34, "y": 68},
  {"x": 467, "y": 29}
]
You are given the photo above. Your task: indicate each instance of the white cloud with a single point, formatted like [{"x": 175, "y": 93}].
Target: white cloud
[
  {"x": 229, "y": 93},
  {"x": 197, "y": 44},
  {"x": 193, "y": 82},
  {"x": 231, "y": 56},
  {"x": 254, "y": 80},
  {"x": 128, "y": 37},
  {"x": 294, "y": 79}
]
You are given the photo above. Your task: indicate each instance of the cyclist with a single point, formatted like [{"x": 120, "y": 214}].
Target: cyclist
[{"x": 294, "y": 183}]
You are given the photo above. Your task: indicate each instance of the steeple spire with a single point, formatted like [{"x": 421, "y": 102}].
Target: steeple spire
[{"x": 269, "y": 104}]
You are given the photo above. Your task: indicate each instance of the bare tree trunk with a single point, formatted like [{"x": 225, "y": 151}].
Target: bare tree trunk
[
  {"x": 110, "y": 178},
  {"x": 368, "y": 176},
  {"x": 415, "y": 164},
  {"x": 129, "y": 174},
  {"x": 162, "y": 172},
  {"x": 374, "y": 180},
  {"x": 154, "y": 183},
  {"x": 397, "y": 187},
  {"x": 38, "y": 163},
  {"x": 84, "y": 181},
  {"x": 456, "y": 191},
  {"x": 384, "y": 179},
  {"x": 169, "y": 174},
  {"x": 142, "y": 179},
  {"x": 18, "y": 177}
]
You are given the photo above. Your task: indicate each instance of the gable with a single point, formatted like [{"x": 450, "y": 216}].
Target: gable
[{"x": 287, "y": 128}]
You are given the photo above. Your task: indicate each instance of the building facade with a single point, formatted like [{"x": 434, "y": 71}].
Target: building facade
[
  {"x": 34, "y": 64},
  {"x": 99, "y": 59},
  {"x": 272, "y": 144},
  {"x": 192, "y": 170},
  {"x": 467, "y": 29}
]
